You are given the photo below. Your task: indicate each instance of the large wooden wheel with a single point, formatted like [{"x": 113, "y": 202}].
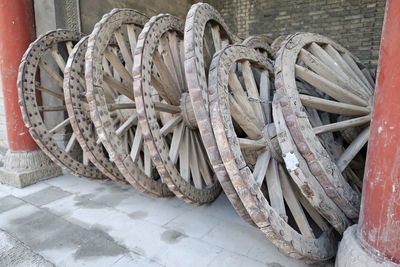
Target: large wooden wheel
[
  {"x": 201, "y": 19},
  {"x": 40, "y": 83},
  {"x": 166, "y": 114},
  {"x": 240, "y": 107},
  {"x": 326, "y": 101},
  {"x": 109, "y": 82},
  {"x": 261, "y": 42},
  {"x": 78, "y": 111}
]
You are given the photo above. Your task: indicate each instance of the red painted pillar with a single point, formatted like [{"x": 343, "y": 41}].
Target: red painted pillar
[
  {"x": 17, "y": 31},
  {"x": 379, "y": 225}
]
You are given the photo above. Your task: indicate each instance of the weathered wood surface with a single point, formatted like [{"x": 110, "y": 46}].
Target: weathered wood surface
[
  {"x": 190, "y": 178},
  {"x": 57, "y": 140},
  {"x": 110, "y": 96}
]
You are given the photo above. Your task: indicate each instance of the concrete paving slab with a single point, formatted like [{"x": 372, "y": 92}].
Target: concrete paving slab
[
  {"x": 46, "y": 195},
  {"x": 80, "y": 222},
  {"x": 9, "y": 203},
  {"x": 188, "y": 252},
  {"x": 15, "y": 253},
  {"x": 228, "y": 259},
  {"x": 193, "y": 223}
]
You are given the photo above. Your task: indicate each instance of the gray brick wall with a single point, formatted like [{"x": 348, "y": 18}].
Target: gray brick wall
[{"x": 355, "y": 24}]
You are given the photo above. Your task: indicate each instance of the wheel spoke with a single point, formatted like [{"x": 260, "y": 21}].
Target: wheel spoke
[
  {"x": 126, "y": 53},
  {"x": 194, "y": 163},
  {"x": 241, "y": 97},
  {"x": 338, "y": 126},
  {"x": 118, "y": 86},
  {"x": 260, "y": 169},
  {"x": 275, "y": 188},
  {"x": 249, "y": 144},
  {"x": 265, "y": 95},
  {"x": 55, "y": 76},
  {"x": 130, "y": 28},
  {"x": 356, "y": 69},
  {"x": 243, "y": 120},
  {"x": 171, "y": 93},
  {"x": 175, "y": 47},
  {"x": 147, "y": 162},
  {"x": 348, "y": 71},
  {"x": 70, "y": 144},
  {"x": 323, "y": 70},
  {"x": 163, "y": 107},
  {"x": 176, "y": 141},
  {"x": 132, "y": 120},
  {"x": 353, "y": 149},
  {"x": 215, "y": 32},
  {"x": 252, "y": 90},
  {"x": 52, "y": 108},
  {"x": 166, "y": 54},
  {"x": 50, "y": 92},
  {"x": 113, "y": 107},
  {"x": 294, "y": 205},
  {"x": 69, "y": 45},
  {"x": 57, "y": 57},
  {"x": 59, "y": 126},
  {"x": 328, "y": 87},
  {"x": 137, "y": 144},
  {"x": 333, "y": 106},
  {"x": 170, "y": 125},
  {"x": 202, "y": 160},
  {"x": 85, "y": 160},
  {"x": 120, "y": 69},
  {"x": 184, "y": 162}
]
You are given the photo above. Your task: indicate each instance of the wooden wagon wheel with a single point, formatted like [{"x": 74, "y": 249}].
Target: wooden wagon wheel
[
  {"x": 41, "y": 74},
  {"x": 78, "y": 111},
  {"x": 240, "y": 108},
  {"x": 197, "y": 59},
  {"x": 166, "y": 114},
  {"x": 261, "y": 42},
  {"x": 108, "y": 66},
  {"x": 276, "y": 45},
  {"x": 326, "y": 101}
]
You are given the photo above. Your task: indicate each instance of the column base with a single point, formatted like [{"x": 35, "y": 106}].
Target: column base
[
  {"x": 352, "y": 254},
  {"x": 25, "y": 168}
]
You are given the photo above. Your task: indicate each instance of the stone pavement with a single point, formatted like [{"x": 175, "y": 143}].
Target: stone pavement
[{"x": 70, "y": 221}]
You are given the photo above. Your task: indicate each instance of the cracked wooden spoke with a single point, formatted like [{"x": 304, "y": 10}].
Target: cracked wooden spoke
[
  {"x": 215, "y": 31},
  {"x": 260, "y": 169},
  {"x": 338, "y": 126},
  {"x": 109, "y": 64},
  {"x": 252, "y": 90},
  {"x": 353, "y": 149},
  {"x": 184, "y": 160},
  {"x": 333, "y": 106},
  {"x": 170, "y": 125},
  {"x": 265, "y": 96},
  {"x": 177, "y": 137},
  {"x": 125, "y": 51}
]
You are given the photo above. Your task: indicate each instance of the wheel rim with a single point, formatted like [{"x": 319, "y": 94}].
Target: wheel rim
[
  {"x": 171, "y": 136},
  {"x": 109, "y": 84},
  {"x": 256, "y": 173},
  {"x": 51, "y": 132},
  {"x": 197, "y": 18},
  {"x": 326, "y": 85},
  {"x": 78, "y": 111}
]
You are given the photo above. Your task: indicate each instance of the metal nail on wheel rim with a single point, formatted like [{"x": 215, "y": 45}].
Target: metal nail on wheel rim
[
  {"x": 42, "y": 101},
  {"x": 197, "y": 44},
  {"x": 166, "y": 114},
  {"x": 241, "y": 119},
  {"x": 327, "y": 104},
  {"x": 78, "y": 110},
  {"x": 109, "y": 60}
]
